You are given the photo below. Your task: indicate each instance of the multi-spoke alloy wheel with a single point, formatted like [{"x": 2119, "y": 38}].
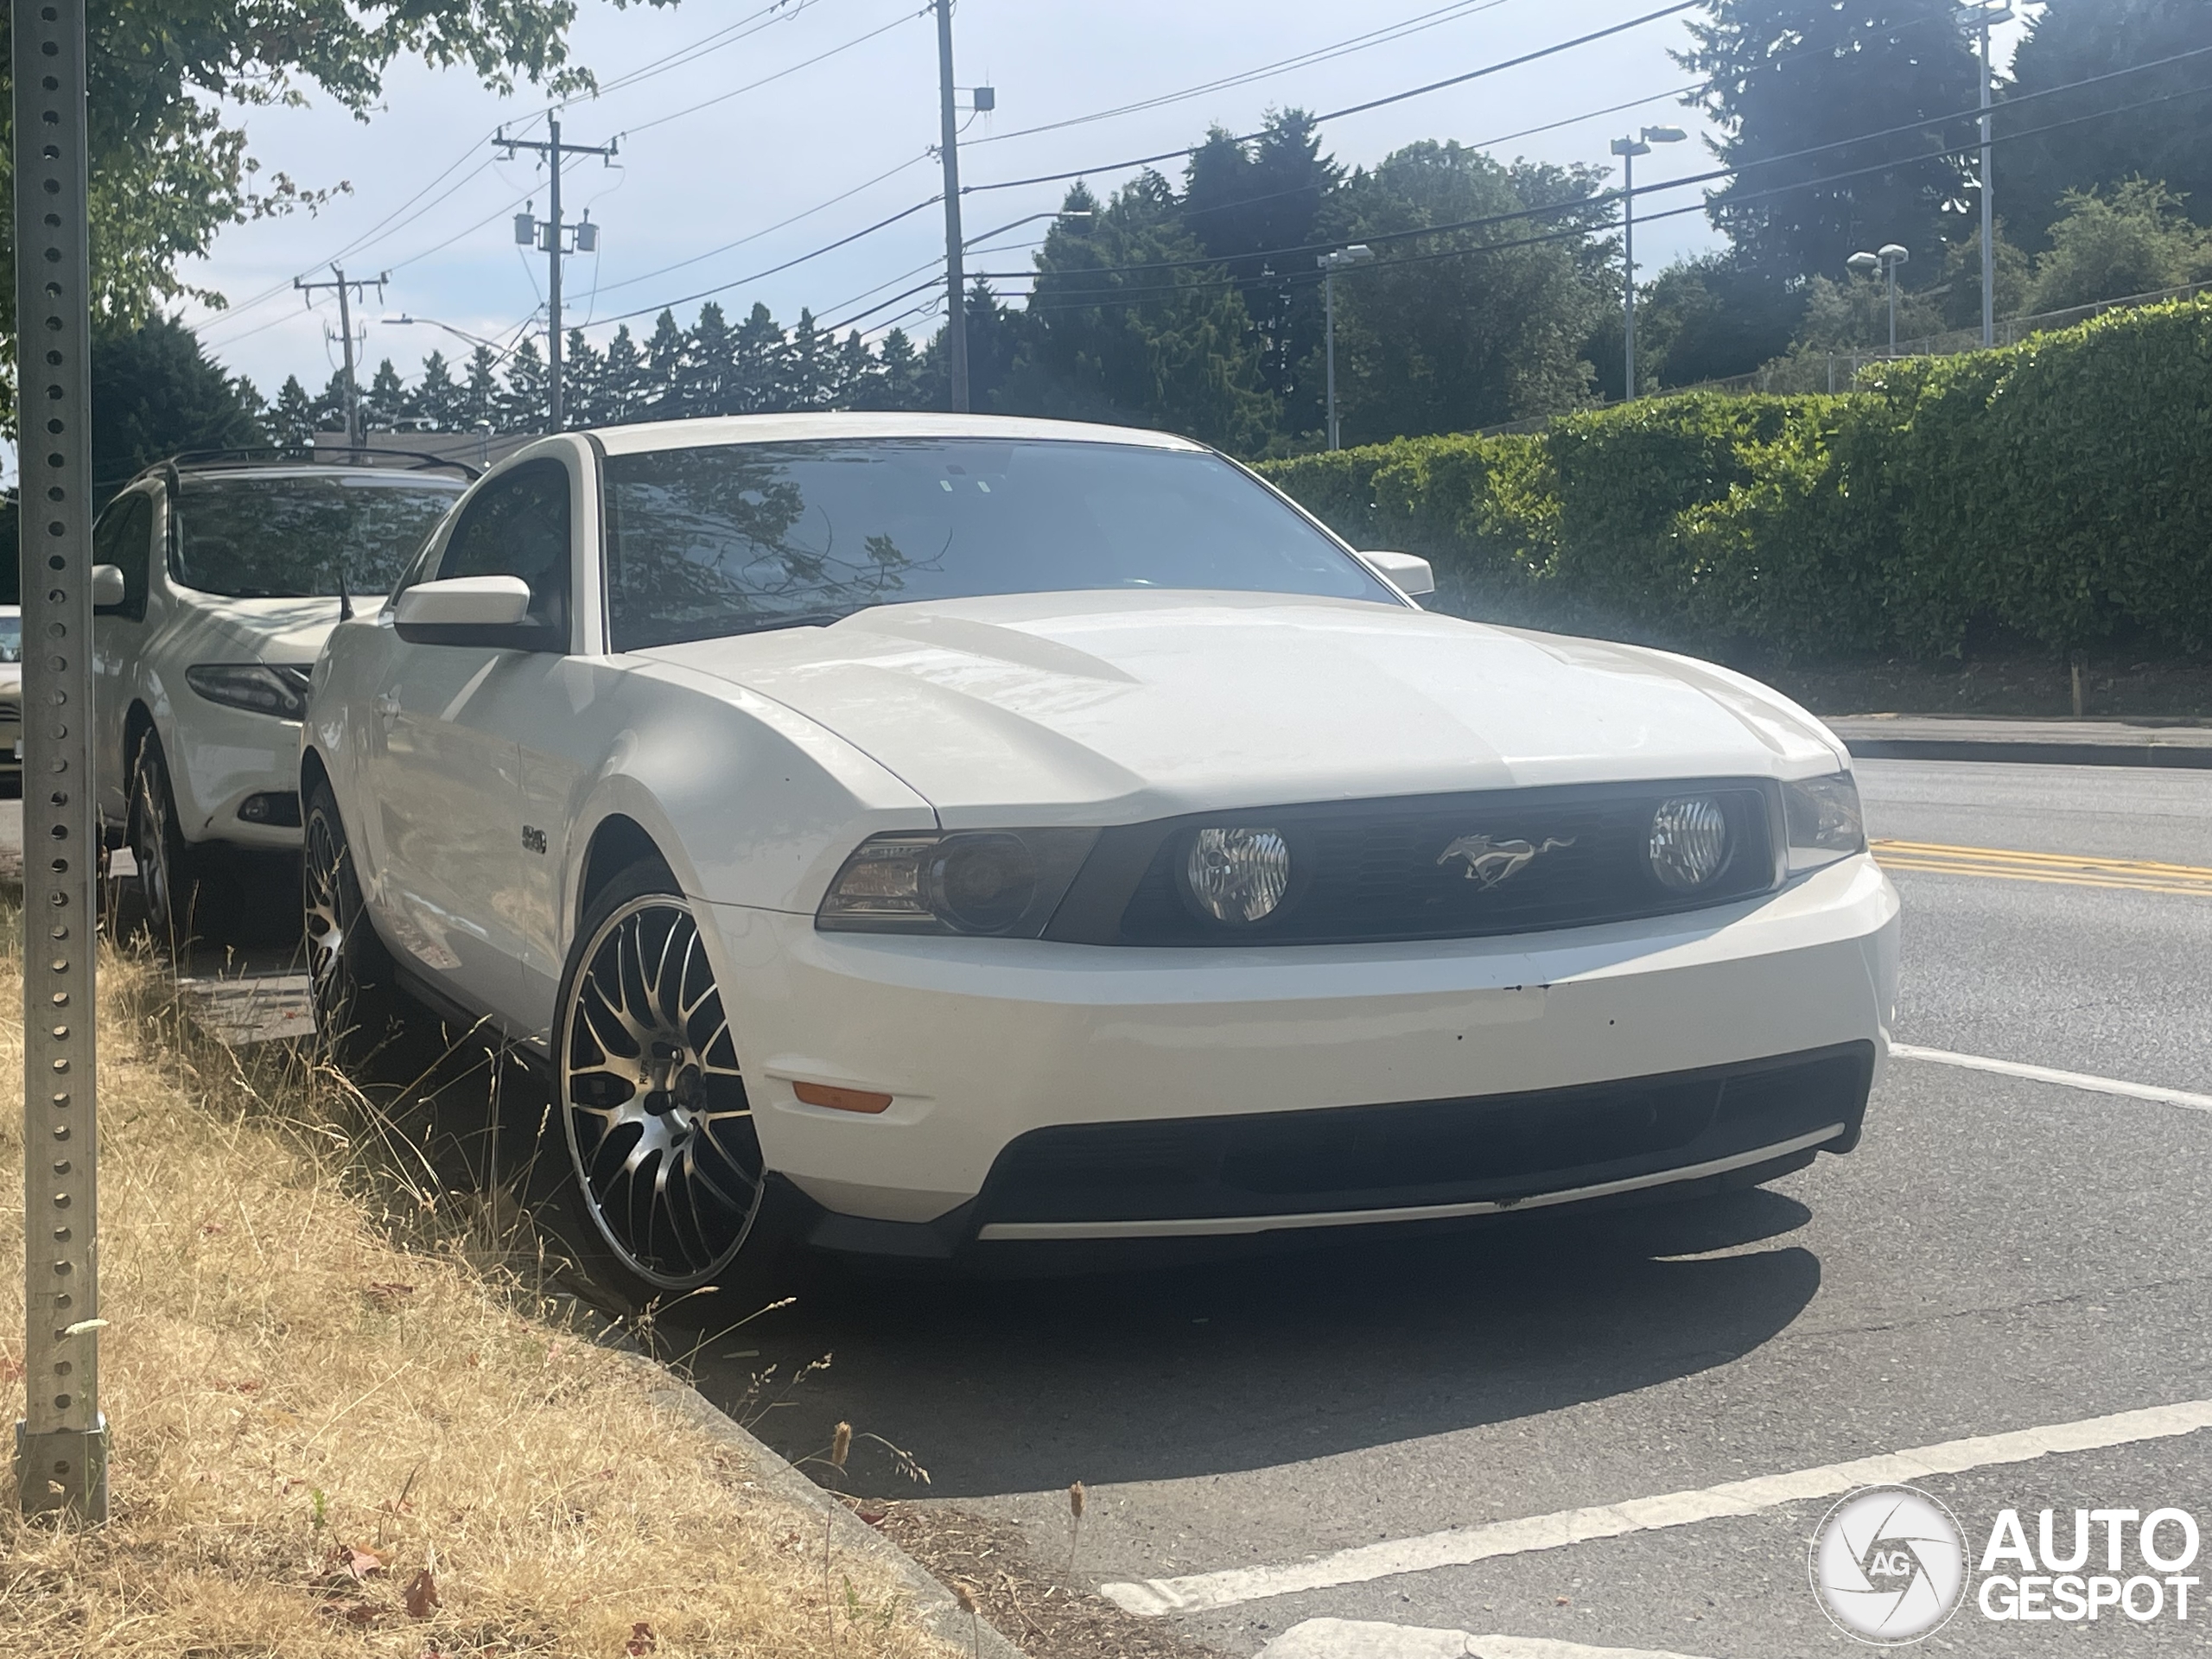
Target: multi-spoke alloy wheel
[
  {"x": 151, "y": 829},
  {"x": 667, "y": 1163},
  {"x": 358, "y": 1011}
]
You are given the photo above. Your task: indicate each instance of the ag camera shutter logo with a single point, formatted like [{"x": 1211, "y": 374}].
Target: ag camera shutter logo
[{"x": 1889, "y": 1565}]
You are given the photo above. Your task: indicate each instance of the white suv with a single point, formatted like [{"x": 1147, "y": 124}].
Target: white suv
[{"x": 217, "y": 582}]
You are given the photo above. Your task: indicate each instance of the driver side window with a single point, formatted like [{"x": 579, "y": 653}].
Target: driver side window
[{"x": 517, "y": 525}]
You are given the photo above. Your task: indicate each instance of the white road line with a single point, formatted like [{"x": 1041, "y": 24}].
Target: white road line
[
  {"x": 1353, "y": 1638},
  {"x": 2065, "y": 1079},
  {"x": 1461, "y": 1546}
]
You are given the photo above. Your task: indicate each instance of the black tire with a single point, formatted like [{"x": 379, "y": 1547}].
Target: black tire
[
  {"x": 662, "y": 1185},
  {"x": 169, "y": 887},
  {"x": 359, "y": 1010}
]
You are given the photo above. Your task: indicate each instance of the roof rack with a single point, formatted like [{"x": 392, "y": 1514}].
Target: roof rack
[{"x": 261, "y": 455}]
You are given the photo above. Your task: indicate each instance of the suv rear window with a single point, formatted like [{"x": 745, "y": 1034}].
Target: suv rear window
[{"x": 292, "y": 537}]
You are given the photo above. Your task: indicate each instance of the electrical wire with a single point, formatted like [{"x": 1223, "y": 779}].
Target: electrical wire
[
  {"x": 754, "y": 85},
  {"x": 1413, "y": 25},
  {"x": 1357, "y": 109}
]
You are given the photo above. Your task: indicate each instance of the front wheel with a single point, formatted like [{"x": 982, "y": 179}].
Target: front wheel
[{"x": 666, "y": 1178}]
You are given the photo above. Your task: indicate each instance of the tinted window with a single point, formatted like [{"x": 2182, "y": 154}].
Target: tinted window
[
  {"x": 286, "y": 537},
  {"x": 11, "y": 638},
  {"x": 517, "y": 525},
  {"x": 124, "y": 537},
  {"x": 736, "y": 537}
]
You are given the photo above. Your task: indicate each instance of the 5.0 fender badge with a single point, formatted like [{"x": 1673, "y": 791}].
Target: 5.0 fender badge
[{"x": 1492, "y": 861}]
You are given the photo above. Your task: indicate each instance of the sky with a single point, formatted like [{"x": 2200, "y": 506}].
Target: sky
[{"x": 786, "y": 131}]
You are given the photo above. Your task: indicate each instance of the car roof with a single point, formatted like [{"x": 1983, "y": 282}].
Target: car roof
[{"x": 798, "y": 428}]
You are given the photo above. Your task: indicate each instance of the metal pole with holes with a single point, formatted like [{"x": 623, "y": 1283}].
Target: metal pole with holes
[{"x": 62, "y": 1444}]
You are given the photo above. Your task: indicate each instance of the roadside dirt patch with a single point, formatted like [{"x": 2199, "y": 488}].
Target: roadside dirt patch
[{"x": 1029, "y": 1602}]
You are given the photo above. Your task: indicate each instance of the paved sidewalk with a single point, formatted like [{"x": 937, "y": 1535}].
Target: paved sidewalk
[{"x": 2045, "y": 742}]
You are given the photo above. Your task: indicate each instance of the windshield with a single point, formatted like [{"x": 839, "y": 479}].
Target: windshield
[
  {"x": 734, "y": 537},
  {"x": 11, "y": 638},
  {"x": 290, "y": 537}
]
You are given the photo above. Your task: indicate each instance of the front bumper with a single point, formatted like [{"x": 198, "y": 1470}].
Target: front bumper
[
  {"x": 220, "y": 757},
  {"x": 983, "y": 1042}
]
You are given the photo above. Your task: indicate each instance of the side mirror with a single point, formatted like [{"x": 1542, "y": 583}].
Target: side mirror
[
  {"x": 491, "y": 611},
  {"x": 1409, "y": 572},
  {"x": 107, "y": 588}
]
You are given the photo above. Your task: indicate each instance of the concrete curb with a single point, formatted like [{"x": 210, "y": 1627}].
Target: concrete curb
[
  {"x": 2026, "y": 742},
  {"x": 940, "y": 1614}
]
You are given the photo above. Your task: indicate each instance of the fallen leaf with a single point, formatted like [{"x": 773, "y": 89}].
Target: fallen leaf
[
  {"x": 215, "y": 1227},
  {"x": 641, "y": 1640},
  {"x": 11, "y": 1370},
  {"x": 422, "y": 1594},
  {"x": 388, "y": 1295},
  {"x": 361, "y": 1614},
  {"x": 1561, "y": 1601},
  {"x": 873, "y": 1517},
  {"x": 355, "y": 1562},
  {"x": 250, "y": 1386}
]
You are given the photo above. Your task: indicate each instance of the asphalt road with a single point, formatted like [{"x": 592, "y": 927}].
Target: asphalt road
[{"x": 2000, "y": 1256}]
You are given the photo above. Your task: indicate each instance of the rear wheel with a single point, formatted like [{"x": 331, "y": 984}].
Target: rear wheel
[
  {"x": 665, "y": 1176},
  {"x": 359, "y": 1007}
]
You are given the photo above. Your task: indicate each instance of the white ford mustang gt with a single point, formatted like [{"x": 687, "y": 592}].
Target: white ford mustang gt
[{"x": 976, "y": 830}]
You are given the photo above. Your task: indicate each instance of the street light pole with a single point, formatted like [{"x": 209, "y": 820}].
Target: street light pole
[
  {"x": 1979, "y": 20},
  {"x": 1628, "y": 149},
  {"x": 1358, "y": 254},
  {"x": 1885, "y": 259}
]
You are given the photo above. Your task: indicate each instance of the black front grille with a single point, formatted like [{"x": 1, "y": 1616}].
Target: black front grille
[
  {"x": 1376, "y": 870},
  {"x": 1496, "y": 1148}
]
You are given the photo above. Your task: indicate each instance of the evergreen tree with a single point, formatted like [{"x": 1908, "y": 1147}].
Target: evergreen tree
[
  {"x": 1785, "y": 76},
  {"x": 706, "y": 382},
  {"x": 807, "y": 382},
  {"x": 757, "y": 373},
  {"x": 1244, "y": 202},
  {"x": 155, "y": 392},
  {"x": 521, "y": 404},
  {"x": 623, "y": 378},
  {"x": 2134, "y": 240},
  {"x": 384, "y": 401},
  {"x": 479, "y": 397},
  {"x": 1164, "y": 344},
  {"x": 665, "y": 368},
  {"x": 854, "y": 374},
  {"x": 583, "y": 382},
  {"x": 2169, "y": 141},
  {"x": 292, "y": 421},
  {"x": 899, "y": 381},
  {"x": 437, "y": 400},
  {"x": 330, "y": 407}
]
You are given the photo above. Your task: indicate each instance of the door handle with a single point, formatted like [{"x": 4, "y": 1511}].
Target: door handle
[{"x": 387, "y": 704}]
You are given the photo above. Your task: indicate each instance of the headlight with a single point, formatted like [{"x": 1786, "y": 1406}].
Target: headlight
[
  {"x": 259, "y": 688},
  {"x": 1824, "y": 819},
  {"x": 1689, "y": 842},
  {"x": 1006, "y": 882},
  {"x": 1237, "y": 876}
]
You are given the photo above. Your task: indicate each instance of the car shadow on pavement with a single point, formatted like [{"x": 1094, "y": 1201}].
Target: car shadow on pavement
[{"x": 1005, "y": 1386}]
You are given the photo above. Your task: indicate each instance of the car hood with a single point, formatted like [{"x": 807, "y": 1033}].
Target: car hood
[
  {"x": 1113, "y": 708},
  {"x": 273, "y": 630}
]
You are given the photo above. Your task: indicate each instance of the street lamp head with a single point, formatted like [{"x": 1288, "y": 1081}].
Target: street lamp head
[
  {"x": 402, "y": 317},
  {"x": 1630, "y": 147},
  {"x": 1663, "y": 135},
  {"x": 1358, "y": 254},
  {"x": 1865, "y": 263},
  {"x": 1895, "y": 252}
]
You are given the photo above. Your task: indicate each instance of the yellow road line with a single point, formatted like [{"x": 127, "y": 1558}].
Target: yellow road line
[{"x": 2132, "y": 874}]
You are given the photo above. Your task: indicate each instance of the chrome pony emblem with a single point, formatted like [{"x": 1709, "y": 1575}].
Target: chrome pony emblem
[{"x": 1492, "y": 861}]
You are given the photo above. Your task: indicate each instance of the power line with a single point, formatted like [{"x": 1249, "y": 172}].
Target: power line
[
  {"x": 754, "y": 85},
  {"x": 1413, "y": 25},
  {"x": 1357, "y": 109},
  {"x": 728, "y": 35},
  {"x": 781, "y": 224}
]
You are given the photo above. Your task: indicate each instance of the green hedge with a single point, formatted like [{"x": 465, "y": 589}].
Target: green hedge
[{"x": 2059, "y": 490}]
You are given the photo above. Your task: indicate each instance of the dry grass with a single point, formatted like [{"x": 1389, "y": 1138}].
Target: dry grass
[{"x": 323, "y": 1385}]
